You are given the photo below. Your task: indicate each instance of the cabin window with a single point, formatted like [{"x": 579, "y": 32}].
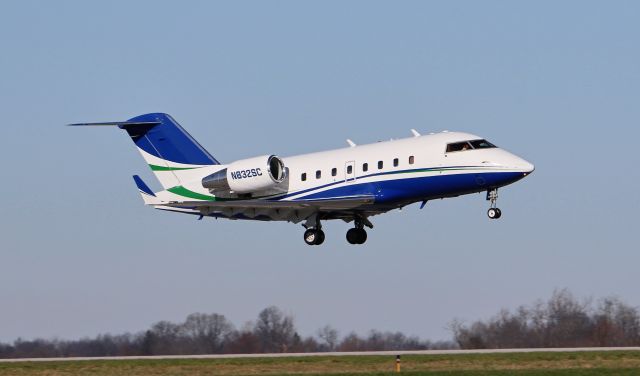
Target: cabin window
[
  {"x": 334, "y": 171},
  {"x": 481, "y": 144},
  {"x": 365, "y": 167},
  {"x": 395, "y": 162},
  {"x": 349, "y": 169},
  {"x": 380, "y": 165},
  {"x": 303, "y": 177},
  {"x": 318, "y": 174},
  {"x": 411, "y": 159},
  {"x": 458, "y": 146}
]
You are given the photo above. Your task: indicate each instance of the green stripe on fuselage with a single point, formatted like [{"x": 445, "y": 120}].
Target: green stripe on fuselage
[
  {"x": 164, "y": 168},
  {"x": 182, "y": 191}
]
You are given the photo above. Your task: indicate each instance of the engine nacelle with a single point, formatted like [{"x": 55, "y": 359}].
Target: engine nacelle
[{"x": 248, "y": 175}]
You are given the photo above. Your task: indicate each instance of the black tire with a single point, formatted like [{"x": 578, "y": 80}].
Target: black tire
[
  {"x": 352, "y": 236},
  {"x": 311, "y": 236},
  {"x": 319, "y": 237},
  {"x": 362, "y": 236},
  {"x": 492, "y": 213},
  {"x": 499, "y": 213}
]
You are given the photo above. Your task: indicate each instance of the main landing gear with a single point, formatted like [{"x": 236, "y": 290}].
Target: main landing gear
[
  {"x": 314, "y": 234},
  {"x": 493, "y": 212},
  {"x": 358, "y": 235}
]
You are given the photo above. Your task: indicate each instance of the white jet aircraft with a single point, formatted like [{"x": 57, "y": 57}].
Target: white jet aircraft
[{"x": 351, "y": 184}]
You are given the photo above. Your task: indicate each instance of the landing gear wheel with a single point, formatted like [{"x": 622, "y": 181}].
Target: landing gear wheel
[
  {"x": 313, "y": 236},
  {"x": 362, "y": 236},
  {"x": 356, "y": 236},
  {"x": 494, "y": 213},
  {"x": 352, "y": 236},
  {"x": 310, "y": 236}
]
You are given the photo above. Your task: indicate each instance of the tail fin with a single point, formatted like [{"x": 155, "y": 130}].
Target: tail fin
[{"x": 166, "y": 147}]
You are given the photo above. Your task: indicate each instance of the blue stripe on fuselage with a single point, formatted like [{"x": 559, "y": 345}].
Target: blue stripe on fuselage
[
  {"x": 426, "y": 187},
  {"x": 428, "y": 169}
]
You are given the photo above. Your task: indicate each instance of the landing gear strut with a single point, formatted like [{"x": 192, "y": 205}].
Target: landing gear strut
[
  {"x": 314, "y": 234},
  {"x": 493, "y": 212},
  {"x": 358, "y": 235}
]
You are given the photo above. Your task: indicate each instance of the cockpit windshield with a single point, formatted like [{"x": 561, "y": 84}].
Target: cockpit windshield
[
  {"x": 469, "y": 145},
  {"x": 482, "y": 144}
]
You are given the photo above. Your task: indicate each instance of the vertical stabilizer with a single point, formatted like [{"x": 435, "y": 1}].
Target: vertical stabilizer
[{"x": 168, "y": 149}]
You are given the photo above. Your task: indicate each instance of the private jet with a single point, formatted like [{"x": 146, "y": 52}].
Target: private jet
[{"x": 352, "y": 184}]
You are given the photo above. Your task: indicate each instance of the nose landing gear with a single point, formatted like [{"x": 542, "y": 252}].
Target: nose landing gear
[{"x": 493, "y": 212}]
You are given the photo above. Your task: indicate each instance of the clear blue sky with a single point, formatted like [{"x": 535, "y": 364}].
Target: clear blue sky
[{"x": 555, "y": 82}]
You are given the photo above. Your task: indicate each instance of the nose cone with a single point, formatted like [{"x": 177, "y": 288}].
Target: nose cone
[
  {"x": 514, "y": 163},
  {"x": 526, "y": 166}
]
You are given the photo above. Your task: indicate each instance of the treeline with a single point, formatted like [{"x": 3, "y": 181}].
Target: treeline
[
  {"x": 562, "y": 321},
  {"x": 272, "y": 332}
]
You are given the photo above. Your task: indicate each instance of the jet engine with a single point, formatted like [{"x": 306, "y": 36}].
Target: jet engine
[{"x": 251, "y": 175}]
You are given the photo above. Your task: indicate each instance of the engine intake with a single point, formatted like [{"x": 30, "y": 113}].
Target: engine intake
[{"x": 248, "y": 175}]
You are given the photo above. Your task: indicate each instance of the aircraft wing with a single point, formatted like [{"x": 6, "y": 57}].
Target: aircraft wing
[
  {"x": 321, "y": 205},
  {"x": 293, "y": 211}
]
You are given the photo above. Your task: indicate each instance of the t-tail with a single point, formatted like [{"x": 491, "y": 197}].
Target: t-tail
[{"x": 171, "y": 152}]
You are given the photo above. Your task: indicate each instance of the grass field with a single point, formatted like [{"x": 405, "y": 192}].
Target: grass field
[{"x": 577, "y": 363}]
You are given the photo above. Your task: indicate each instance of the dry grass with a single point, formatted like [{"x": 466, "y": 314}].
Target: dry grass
[{"x": 591, "y": 363}]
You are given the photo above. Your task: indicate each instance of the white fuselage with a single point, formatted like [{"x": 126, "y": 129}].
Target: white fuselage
[
  {"x": 428, "y": 152},
  {"x": 394, "y": 173}
]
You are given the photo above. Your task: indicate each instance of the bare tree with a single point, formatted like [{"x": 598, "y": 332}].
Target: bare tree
[
  {"x": 352, "y": 342},
  {"x": 616, "y": 324},
  {"x": 275, "y": 330},
  {"x": 562, "y": 321},
  {"x": 206, "y": 332},
  {"x": 164, "y": 338},
  {"x": 330, "y": 337}
]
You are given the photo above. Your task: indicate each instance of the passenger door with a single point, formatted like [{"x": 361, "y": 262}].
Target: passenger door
[{"x": 350, "y": 171}]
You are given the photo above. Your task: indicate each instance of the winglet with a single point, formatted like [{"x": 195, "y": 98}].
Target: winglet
[
  {"x": 147, "y": 194},
  {"x": 351, "y": 143},
  {"x": 415, "y": 133}
]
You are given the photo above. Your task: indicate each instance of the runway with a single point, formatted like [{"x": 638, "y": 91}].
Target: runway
[{"x": 355, "y": 353}]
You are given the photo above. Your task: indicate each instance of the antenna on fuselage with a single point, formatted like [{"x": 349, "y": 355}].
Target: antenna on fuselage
[
  {"x": 415, "y": 133},
  {"x": 351, "y": 143}
]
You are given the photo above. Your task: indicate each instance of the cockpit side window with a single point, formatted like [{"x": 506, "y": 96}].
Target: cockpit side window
[
  {"x": 469, "y": 145},
  {"x": 482, "y": 144},
  {"x": 458, "y": 146}
]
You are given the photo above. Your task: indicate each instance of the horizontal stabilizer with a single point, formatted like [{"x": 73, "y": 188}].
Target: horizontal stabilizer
[
  {"x": 120, "y": 124},
  {"x": 142, "y": 186},
  {"x": 147, "y": 194}
]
